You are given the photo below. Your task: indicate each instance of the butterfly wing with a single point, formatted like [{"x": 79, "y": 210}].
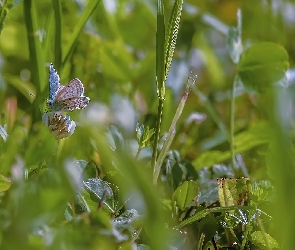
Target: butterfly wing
[
  {"x": 58, "y": 124},
  {"x": 74, "y": 88},
  {"x": 54, "y": 82},
  {"x": 73, "y": 103}
]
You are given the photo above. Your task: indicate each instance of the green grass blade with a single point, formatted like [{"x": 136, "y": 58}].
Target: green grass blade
[
  {"x": 172, "y": 33},
  {"x": 58, "y": 33},
  {"x": 160, "y": 49},
  {"x": 79, "y": 26},
  {"x": 36, "y": 55},
  {"x": 160, "y": 74},
  {"x": 205, "y": 212}
]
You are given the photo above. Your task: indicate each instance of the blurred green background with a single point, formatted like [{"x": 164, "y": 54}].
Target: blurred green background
[{"x": 46, "y": 200}]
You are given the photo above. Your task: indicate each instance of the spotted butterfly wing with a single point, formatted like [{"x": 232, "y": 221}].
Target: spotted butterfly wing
[
  {"x": 73, "y": 103},
  {"x": 58, "y": 124},
  {"x": 74, "y": 88}
]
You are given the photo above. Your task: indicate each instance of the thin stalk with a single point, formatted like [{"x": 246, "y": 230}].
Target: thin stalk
[
  {"x": 157, "y": 133},
  {"x": 138, "y": 152},
  {"x": 160, "y": 75},
  {"x": 246, "y": 237},
  {"x": 172, "y": 129},
  {"x": 232, "y": 124},
  {"x": 201, "y": 241},
  {"x": 58, "y": 34}
]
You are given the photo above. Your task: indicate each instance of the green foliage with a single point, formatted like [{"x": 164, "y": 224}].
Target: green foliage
[
  {"x": 263, "y": 64},
  {"x": 185, "y": 193},
  {"x": 175, "y": 149}
]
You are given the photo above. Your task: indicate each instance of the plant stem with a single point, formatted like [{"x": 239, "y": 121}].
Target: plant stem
[
  {"x": 172, "y": 129},
  {"x": 201, "y": 241},
  {"x": 157, "y": 132},
  {"x": 138, "y": 152},
  {"x": 232, "y": 124}
]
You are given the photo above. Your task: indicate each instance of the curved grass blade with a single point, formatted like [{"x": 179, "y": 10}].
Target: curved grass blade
[{"x": 79, "y": 26}]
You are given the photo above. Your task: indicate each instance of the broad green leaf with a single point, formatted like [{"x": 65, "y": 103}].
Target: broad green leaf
[
  {"x": 185, "y": 194},
  {"x": 262, "y": 65},
  {"x": 102, "y": 191},
  {"x": 257, "y": 135},
  {"x": 127, "y": 220},
  {"x": 260, "y": 190},
  {"x": 5, "y": 183},
  {"x": 258, "y": 238}
]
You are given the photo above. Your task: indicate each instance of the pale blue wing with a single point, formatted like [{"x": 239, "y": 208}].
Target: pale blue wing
[{"x": 54, "y": 83}]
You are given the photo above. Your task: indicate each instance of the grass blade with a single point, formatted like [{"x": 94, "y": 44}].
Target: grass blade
[
  {"x": 160, "y": 72},
  {"x": 172, "y": 129},
  {"x": 82, "y": 21},
  {"x": 57, "y": 38},
  {"x": 36, "y": 55}
]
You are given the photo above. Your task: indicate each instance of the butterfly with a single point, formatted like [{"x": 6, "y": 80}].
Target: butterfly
[
  {"x": 60, "y": 125},
  {"x": 65, "y": 98}
]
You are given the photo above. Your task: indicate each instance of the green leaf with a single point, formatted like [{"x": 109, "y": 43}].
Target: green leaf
[
  {"x": 127, "y": 220},
  {"x": 5, "y": 183},
  {"x": 185, "y": 193},
  {"x": 258, "y": 238},
  {"x": 102, "y": 191},
  {"x": 262, "y": 65},
  {"x": 260, "y": 190}
]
